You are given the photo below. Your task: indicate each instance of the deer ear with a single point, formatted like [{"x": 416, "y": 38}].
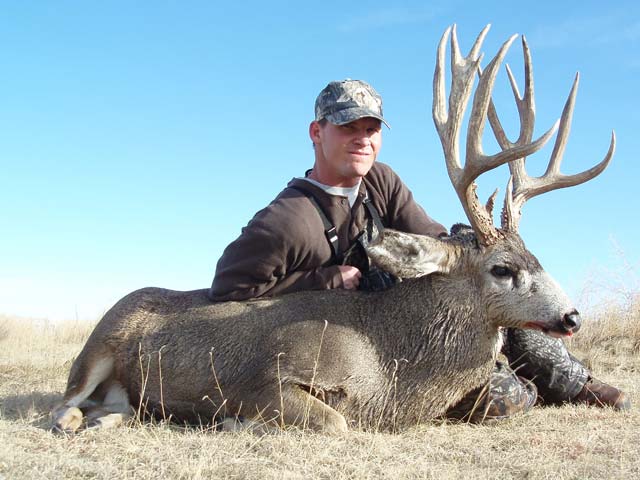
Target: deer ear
[{"x": 407, "y": 255}]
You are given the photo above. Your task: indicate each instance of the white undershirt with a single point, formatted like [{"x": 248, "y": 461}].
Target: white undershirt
[{"x": 350, "y": 192}]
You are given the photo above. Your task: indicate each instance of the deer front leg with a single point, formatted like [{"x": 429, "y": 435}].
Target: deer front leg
[
  {"x": 107, "y": 412},
  {"x": 112, "y": 412},
  {"x": 295, "y": 406},
  {"x": 301, "y": 408},
  {"x": 66, "y": 419}
]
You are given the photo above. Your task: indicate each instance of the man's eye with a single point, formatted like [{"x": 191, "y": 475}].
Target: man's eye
[{"x": 501, "y": 272}]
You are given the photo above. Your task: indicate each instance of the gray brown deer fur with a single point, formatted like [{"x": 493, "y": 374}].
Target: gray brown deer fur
[
  {"x": 326, "y": 359},
  {"x": 333, "y": 360}
]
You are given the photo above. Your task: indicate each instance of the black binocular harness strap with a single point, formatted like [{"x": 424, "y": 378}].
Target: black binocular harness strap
[{"x": 330, "y": 229}]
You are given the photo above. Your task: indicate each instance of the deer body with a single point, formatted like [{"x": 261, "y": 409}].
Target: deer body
[{"x": 384, "y": 360}]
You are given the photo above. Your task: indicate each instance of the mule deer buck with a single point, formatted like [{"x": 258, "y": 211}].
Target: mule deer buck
[{"x": 330, "y": 360}]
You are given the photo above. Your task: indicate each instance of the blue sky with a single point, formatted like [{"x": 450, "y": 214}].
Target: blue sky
[{"x": 137, "y": 138}]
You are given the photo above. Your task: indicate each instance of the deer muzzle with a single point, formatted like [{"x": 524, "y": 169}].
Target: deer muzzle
[
  {"x": 564, "y": 327},
  {"x": 571, "y": 322}
]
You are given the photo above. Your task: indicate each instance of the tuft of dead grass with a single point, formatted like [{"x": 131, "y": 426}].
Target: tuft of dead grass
[
  {"x": 610, "y": 332},
  {"x": 20, "y": 330}
]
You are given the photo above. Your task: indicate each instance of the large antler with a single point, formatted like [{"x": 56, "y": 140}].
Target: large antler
[
  {"x": 521, "y": 186},
  {"x": 448, "y": 123}
]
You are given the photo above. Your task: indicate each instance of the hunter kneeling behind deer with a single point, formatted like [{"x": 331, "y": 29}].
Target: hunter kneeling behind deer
[{"x": 336, "y": 340}]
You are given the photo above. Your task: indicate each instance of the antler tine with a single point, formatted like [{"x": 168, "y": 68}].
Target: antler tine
[
  {"x": 481, "y": 101},
  {"x": 526, "y": 109},
  {"x": 473, "y": 53},
  {"x": 448, "y": 121},
  {"x": 439, "y": 110},
  {"x": 526, "y": 187}
]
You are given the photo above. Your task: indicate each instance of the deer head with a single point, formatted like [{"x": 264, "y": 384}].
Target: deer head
[{"x": 507, "y": 279}]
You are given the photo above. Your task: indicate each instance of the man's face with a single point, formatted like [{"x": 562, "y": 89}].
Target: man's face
[{"x": 345, "y": 153}]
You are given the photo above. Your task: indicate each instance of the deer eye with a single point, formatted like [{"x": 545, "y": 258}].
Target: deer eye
[{"x": 501, "y": 272}]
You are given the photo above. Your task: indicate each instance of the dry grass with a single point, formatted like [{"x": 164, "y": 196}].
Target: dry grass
[
  {"x": 610, "y": 338},
  {"x": 567, "y": 442}
]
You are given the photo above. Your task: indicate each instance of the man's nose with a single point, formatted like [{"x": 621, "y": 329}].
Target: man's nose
[{"x": 362, "y": 139}]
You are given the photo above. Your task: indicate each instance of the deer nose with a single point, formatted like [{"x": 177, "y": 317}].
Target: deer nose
[{"x": 571, "y": 321}]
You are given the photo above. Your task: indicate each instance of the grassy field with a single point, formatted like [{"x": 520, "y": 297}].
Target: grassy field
[{"x": 553, "y": 442}]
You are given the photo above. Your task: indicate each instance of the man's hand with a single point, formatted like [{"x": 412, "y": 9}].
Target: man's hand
[{"x": 350, "y": 277}]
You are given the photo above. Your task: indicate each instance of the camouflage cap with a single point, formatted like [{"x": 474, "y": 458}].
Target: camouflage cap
[{"x": 347, "y": 100}]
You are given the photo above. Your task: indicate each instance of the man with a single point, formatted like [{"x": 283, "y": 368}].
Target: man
[{"x": 312, "y": 236}]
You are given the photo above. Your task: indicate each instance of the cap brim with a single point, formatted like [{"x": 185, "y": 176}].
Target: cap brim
[{"x": 349, "y": 115}]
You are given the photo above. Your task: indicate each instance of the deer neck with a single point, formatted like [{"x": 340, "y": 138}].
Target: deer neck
[{"x": 450, "y": 331}]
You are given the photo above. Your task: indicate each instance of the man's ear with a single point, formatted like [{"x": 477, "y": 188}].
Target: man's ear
[
  {"x": 407, "y": 255},
  {"x": 314, "y": 132}
]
